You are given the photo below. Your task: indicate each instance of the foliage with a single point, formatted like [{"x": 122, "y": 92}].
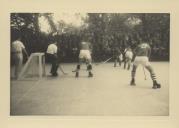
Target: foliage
[{"x": 104, "y": 30}]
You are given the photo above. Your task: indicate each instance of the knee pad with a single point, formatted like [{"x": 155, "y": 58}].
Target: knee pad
[
  {"x": 89, "y": 67},
  {"x": 78, "y": 66}
]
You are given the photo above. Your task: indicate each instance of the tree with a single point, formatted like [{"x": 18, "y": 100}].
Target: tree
[{"x": 104, "y": 30}]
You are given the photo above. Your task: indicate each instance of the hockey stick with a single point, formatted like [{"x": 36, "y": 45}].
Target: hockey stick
[
  {"x": 79, "y": 70},
  {"x": 74, "y": 70},
  {"x": 104, "y": 61},
  {"x": 144, "y": 74},
  {"x": 62, "y": 70}
]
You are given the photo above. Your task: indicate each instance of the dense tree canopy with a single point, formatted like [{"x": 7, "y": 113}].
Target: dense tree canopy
[{"x": 104, "y": 30}]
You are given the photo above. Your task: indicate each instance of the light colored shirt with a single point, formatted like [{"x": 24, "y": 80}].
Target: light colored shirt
[
  {"x": 127, "y": 49},
  {"x": 52, "y": 49},
  {"x": 17, "y": 46}
]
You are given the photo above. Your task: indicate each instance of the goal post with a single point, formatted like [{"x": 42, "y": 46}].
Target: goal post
[{"x": 34, "y": 67}]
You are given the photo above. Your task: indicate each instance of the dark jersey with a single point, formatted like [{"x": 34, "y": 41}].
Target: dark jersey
[
  {"x": 116, "y": 51},
  {"x": 143, "y": 49},
  {"x": 85, "y": 46}
]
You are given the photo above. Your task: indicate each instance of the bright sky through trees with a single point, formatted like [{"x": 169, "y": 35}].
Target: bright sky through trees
[{"x": 73, "y": 19}]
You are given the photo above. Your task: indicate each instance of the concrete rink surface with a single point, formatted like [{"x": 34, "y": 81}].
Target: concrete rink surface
[{"x": 108, "y": 93}]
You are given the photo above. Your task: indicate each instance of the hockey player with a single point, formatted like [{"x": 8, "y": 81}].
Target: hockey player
[
  {"x": 52, "y": 52},
  {"x": 117, "y": 56},
  {"x": 142, "y": 54},
  {"x": 128, "y": 57},
  {"x": 85, "y": 56},
  {"x": 17, "y": 49}
]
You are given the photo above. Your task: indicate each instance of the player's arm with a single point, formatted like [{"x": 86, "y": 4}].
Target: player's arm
[{"x": 24, "y": 50}]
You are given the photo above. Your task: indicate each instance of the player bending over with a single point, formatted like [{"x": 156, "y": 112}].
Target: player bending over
[
  {"x": 52, "y": 56},
  {"x": 128, "y": 57},
  {"x": 142, "y": 54},
  {"x": 85, "y": 56}
]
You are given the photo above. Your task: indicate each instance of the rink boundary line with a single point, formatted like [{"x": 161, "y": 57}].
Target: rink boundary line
[{"x": 27, "y": 92}]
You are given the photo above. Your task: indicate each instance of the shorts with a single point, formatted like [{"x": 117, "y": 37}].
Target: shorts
[
  {"x": 121, "y": 57},
  {"x": 129, "y": 54},
  {"x": 143, "y": 60},
  {"x": 85, "y": 54}
]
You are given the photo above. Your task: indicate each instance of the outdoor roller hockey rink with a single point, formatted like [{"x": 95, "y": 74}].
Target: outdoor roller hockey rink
[{"x": 108, "y": 92}]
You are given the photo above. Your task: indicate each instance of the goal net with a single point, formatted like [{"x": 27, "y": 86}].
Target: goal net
[{"x": 34, "y": 67}]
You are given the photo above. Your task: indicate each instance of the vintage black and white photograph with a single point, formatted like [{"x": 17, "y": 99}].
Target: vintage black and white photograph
[{"x": 89, "y": 64}]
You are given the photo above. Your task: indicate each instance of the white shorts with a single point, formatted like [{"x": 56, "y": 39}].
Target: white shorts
[
  {"x": 129, "y": 54},
  {"x": 143, "y": 60},
  {"x": 85, "y": 54},
  {"x": 121, "y": 57}
]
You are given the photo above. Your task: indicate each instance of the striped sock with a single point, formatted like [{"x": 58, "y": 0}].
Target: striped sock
[
  {"x": 133, "y": 72},
  {"x": 152, "y": 73}
]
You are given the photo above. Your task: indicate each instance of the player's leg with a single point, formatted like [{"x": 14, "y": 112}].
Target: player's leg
[
  {"x": 137, "y": 61},
  {"x": 124, "y": 59},
  {"x": 50, "y": 57},
  {"x": 115, "y": 61},
  {"x": 133, "y": 74},
  {"x": 129, "y": 63},
  {"x": 125, "y": 62},
  {"x": 153, "y": 77},
  {"x": 78, "y": 67},
  {"x": 18, "y": 64},
  {"x": 119, "y": 60},
  {"x": 56, "y": 65},
  {"x": 89, "y": 64},
  {"x": 53, "y": 66},
  {"x": 89, "y": 68},
  {"x": 80, "y": 60},
  {"x": 16, "y": 61}
]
